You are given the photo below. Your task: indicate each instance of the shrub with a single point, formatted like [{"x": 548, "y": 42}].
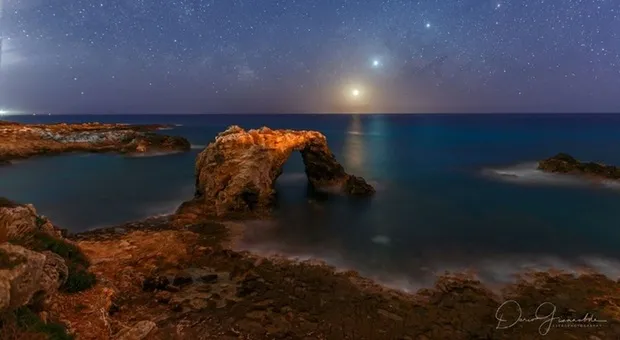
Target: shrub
[
  {"x": 8, "y": 262},
  {"x": 29, "y": 321},
  {"x": 79, "y": 278},
  {"x": 23, "y": 323}
]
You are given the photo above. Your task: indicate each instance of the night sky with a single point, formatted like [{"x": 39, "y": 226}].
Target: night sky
[{"x": 203, "y": 56}]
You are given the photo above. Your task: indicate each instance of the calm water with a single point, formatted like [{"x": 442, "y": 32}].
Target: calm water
[{"x": 454, "y": 191}]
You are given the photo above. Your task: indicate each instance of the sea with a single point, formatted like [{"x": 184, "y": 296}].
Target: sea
[{"x": 455, "y": 193}]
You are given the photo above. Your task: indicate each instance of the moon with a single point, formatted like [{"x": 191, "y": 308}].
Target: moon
[{"x": 355, "y": 92}]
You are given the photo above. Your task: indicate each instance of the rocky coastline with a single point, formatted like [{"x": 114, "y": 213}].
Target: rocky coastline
[
  {"x": 563, "y": 163},
  {"x": 180, "y": 276},
  {"x": 155, "y": 280},
  {"x": 20, "y": 141}
]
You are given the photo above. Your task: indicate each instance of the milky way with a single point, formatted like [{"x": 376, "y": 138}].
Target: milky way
[{"x": 193, "y": 56}]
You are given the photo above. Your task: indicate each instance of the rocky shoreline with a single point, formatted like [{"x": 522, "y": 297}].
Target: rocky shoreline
[
  {"x": 21, "y": 141},
  {"x": 180, "y": 277},
  {"x": 159, "y": 281}
]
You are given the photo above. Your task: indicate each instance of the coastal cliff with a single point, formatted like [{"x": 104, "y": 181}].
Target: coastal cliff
[
  {"x": 237, "y": 172},
  {"x": 20, "y": 141},
  {"x": 567, "y": 164}
]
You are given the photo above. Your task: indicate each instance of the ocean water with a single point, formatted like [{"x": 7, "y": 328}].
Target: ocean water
[{"x": 454, "y": 192}]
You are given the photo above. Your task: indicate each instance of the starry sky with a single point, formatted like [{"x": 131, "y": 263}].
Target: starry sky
[{"x": 271, "y": 56}]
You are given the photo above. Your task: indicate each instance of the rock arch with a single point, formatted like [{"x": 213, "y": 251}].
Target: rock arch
[{"x": 236, "y": 173}]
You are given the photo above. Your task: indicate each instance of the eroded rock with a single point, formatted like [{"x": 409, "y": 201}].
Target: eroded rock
[
  {"x": 28, "y": 273},
  {"x": 237, "y": 172},
  {"x": 20, "y": 222}
]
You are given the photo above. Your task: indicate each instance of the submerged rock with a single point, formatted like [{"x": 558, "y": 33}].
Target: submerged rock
[
  {"x": 567, "y": 164},
  {"x": 237, "y": 172}
]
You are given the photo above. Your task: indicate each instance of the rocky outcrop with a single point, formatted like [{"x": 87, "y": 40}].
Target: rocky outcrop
[
  {"x": 19, "y": 141},
  {"x": 566, "y": 164},
  {"x": 35, "y": 258},
  {"x": 236, "y": 173},
  {"x": 20, "y": 222},
  {"x": 26, "y": 275}
]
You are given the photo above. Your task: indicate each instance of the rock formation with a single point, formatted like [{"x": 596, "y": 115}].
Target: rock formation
[
  {"x": 20, "y": 222},
  {"x": 35, "y": 258},
  {"x": 566, "y": 164},
  {"x": 237, "y": 172},
  {"x": 26, "y": 274},
  {"x": 18, "y": 141}
]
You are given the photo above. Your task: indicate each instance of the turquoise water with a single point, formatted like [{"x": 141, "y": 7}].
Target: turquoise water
[{"x": 454, "y": 191}]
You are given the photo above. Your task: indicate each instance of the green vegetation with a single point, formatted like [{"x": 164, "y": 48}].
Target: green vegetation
[
  {"x": 30, "y": 322},
  {"x": 8, "y": 262},
  {"x": 23, "y": 323},
  {"x": 7, "y": 203},
  {"x": 40, "y": 221},
  {"x": 79, "y": 278}
]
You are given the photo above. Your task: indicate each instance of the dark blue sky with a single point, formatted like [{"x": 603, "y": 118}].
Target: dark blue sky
[{"x": 198, "y": 56}]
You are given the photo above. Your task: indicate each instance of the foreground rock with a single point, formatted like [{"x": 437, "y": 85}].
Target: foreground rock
[
  {"x": 237, "y": 172},
  {"x": 224, "y": 294},
  {"x": 156, "y": 281},
  {"x": 19, "y": 141},
  {"x": 566, "y": 164},
  {"x": 36, "y": 264},
  {"x": 26, "y": 275}
]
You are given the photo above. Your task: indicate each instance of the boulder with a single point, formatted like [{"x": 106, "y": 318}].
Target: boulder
[
  {"x": 25, "y": 274},
  {"x": 237, "y": 172},
  {"x": 20, "y": 222}
]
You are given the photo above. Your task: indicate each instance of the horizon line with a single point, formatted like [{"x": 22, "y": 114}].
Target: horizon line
[{"x": 308, "y": 113}]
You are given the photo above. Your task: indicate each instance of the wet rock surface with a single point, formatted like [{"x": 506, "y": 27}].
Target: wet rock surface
[
  {"x": 236, "y": 173},
  {"x": 20, "y": 141}
]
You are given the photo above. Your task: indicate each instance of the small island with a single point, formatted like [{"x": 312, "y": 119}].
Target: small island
[
  {"x": 566, "y": 164},
  {"x": 21, "y": 141}
]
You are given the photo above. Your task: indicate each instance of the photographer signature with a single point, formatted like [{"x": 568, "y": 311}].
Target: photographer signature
[{"x": 547, "y": 319}]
